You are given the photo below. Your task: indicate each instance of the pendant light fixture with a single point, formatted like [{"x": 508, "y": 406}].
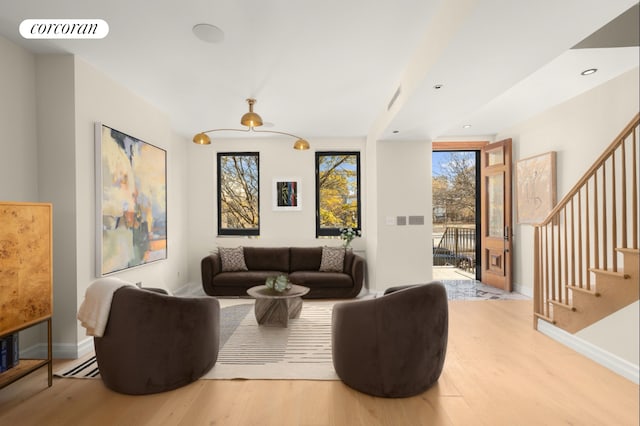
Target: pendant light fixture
[{"x": 250, "y": 120}]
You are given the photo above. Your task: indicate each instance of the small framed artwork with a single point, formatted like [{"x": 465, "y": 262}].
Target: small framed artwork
[
  {"x": 535, "y": 187},
  {"x": 131, "y": 201},
  {"x": 286, "y": 194}
]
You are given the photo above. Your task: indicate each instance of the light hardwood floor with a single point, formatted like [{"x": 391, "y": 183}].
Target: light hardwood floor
[{"x": 498, "y": 371}]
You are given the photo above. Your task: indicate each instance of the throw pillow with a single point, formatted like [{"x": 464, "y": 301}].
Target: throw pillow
[
  {"x": 232, "y": 259},
  {"x": 332, "y": 259}
]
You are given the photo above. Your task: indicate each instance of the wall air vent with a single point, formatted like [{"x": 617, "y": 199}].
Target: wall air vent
[{"x": 394, "y": 98}]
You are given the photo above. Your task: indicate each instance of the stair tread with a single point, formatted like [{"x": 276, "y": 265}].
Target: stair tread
[
  {"x": 546, "y": 318},
  {"x": 590, "y": 291},
  {"x": 610, "y": 273},
  {"x": 628, "y": 250},
  {"x": 562, "y": 305}
]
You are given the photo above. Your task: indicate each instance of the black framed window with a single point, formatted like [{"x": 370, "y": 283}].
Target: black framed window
[
  {"x": 238, "y": 193},
  {"x": 337, "y": 192}
]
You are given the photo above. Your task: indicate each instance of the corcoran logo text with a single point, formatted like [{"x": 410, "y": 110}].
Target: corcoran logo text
[{"x": 64, "y": 28}]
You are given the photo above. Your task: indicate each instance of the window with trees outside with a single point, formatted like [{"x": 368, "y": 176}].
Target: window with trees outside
[
  {"x": 238, "y": 193},
  {"x": 337, "y": 192}
]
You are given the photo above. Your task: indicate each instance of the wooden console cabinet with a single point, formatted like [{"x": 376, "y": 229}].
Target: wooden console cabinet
[{"x": 26, "y": 272}]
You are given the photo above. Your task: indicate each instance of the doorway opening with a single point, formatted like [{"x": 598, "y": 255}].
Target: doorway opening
[{"x": 456, "y": 213}]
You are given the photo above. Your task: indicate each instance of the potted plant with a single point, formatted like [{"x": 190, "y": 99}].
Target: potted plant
[{"x": 279, "y": 283}]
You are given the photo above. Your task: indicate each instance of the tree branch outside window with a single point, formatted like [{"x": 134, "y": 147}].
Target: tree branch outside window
[
  {"x": 337, "y": 192},
  {"x": 238, "y": 194}
]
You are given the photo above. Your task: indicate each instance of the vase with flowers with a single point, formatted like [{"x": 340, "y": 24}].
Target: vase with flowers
[{"x": 348, "y": 234}]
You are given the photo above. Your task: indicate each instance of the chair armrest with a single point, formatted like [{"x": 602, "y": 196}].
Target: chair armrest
[
  {"x": 357, "y": 273},
  {"x": 353, "y": 340},
  {"x": 210, "y": 266},
  {"x": 398, "y": 288},
  {"x": 155, "y": 290}
]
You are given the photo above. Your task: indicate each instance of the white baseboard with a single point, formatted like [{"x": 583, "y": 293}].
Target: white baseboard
[
  {"x": 85, "y": 346},
  {"x": 189, "y": 290},
  {"x": 599, "y": 355},
  {"x": 525, "y": 291},
  {"x": 38, "y": 351},
  {"x": 60, "y": 350}
]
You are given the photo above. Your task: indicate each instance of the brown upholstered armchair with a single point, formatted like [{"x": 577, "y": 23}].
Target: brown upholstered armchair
[
  {"x": 394, "y": 345},
  {"x": 154, "y": 342}
]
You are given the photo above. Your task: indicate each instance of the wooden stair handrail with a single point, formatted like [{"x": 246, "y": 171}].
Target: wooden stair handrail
[
  {"x": 566, "y": 265},
  {"x": 593, "y": 169}
]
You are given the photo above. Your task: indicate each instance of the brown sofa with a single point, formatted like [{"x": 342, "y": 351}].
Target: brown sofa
[{"x": 302, "y": 264}]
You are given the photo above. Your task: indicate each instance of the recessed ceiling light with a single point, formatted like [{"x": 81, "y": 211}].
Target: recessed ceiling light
[
  {"x": 466, "y": 126},
  {"x": 438, "y": 86},
  {"x": 589, "y": 71},
  {"x": 208, "y": 33}
]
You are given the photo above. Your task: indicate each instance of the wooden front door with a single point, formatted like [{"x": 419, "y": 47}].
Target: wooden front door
[{"x": 495, "y": 188}]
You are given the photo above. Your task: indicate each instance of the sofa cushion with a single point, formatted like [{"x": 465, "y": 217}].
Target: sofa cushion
[
  {"x": 267, "y": 258},
  {"x": 315, "y": 279},
  {"x": 332, "y": 259},
  {"x": 232, "y": 259},
  {"x": 305, "y": 258},
  {"x": 243, "y": 279}
]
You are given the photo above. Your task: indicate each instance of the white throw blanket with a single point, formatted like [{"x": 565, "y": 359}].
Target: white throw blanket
[{"x": 94, "y": 311}]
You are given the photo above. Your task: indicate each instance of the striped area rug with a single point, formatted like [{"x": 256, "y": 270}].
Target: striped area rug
[
  {"x": 301, "y": 351},
  {"x": 249, "y": 351},
  {"x": 83, "y": 369}
]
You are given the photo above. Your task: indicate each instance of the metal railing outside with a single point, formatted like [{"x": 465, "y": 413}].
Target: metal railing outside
[{"x": 457, "y": 247}]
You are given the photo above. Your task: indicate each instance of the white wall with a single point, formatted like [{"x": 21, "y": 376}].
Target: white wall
[
  {"x": 404, "y": 253},
  {"x": 71, "y": 97},
  {"x": 395, "y": 255},
  {"x": 370, "y": 205},
  {"x": 100, "y": 99},
  {"x": 603, "y": 334},
  {"x": 57, "y": 185},
  {"x": 18, "y": 140},
  {"x": 578, "y": 130},
  {"x": 18, "y": 143},
  {"x": 277, "y": 228}
]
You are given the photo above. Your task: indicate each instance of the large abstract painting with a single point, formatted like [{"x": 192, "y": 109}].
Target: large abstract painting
[
  {"x": 131, "y": 207},
  {"x": 536, "y": 187}
]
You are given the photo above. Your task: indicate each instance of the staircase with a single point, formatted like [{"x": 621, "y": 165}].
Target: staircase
[{"x": 586, "y": 257}]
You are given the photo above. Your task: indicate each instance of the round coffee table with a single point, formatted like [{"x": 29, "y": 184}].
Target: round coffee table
[{"x": 275, "y": 309}]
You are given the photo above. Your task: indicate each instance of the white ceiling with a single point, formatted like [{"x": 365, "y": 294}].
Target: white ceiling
[{"x": 329, "y": 68}]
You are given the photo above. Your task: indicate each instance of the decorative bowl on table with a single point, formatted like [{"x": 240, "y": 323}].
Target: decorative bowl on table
[{"x": 279, "y": 283}]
